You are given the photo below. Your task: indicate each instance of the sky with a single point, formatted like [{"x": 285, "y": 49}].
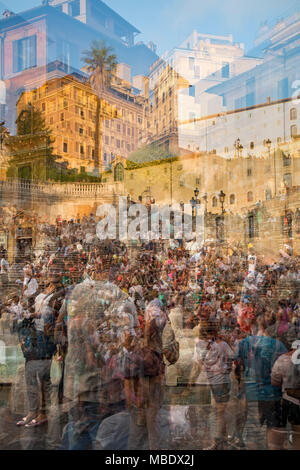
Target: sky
[{"x": 168, "y": 22}]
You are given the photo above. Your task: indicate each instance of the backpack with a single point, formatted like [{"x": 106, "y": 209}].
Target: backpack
[
  {"x": 28, "y": 338},
  {"x": 292, "y": 383}
]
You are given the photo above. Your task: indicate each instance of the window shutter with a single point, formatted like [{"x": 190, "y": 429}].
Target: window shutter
[
  {"x": 33, "y": 54},
  {"x": 15, "y": 56}
]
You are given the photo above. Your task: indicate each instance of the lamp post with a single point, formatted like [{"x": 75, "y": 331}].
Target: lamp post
[
  {"x": 222, "y": 199},
  {"x": 194, "y": 202},
  {"x": 268, "y": 144},
  {"x": 238, "y": 147},
  {"x": 220, "y": 219},
  {"x": 288, "y": 218}
]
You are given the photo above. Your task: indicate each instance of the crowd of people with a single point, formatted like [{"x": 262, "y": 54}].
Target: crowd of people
[{"x": 100, "y": 314}]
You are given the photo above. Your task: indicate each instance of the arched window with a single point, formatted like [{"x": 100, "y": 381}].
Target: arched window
[
  {"x": 119, "y": 172},
  {"x": 293, "y": 114},
  {"x": 214, "y": 201},
  {"x": 268, "y": 194},
  {"x": 250, "y": 196},
  {"x": 293, "y": 131},
  {"x": 232, "y": 199}
]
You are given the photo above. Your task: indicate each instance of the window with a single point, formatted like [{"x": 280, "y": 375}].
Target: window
[
  {"x": 43, "y": 107},
  {"x": 74, "y": 8},
  {"x": 287, "y": 179},
  {"x": 119, "y": 172},
  {"x": 118, "y": 144},
  {"x": 268, "y": 194},
  {"x": 232, "y": 199},
  {"x": 214, "y": 201},
  {"x": 105, "y": 157},
  {"x": 62, "y": 116},
  {"x": 192, "y": 90},
  {"x": 198, "y": 182},
  {"x": 286, "y": 159},
  {"x": 24, "y": 54},
  {"x": 293, "y": 131},
  {"x": 81, "y": 149},
  {"x": 251, "y": 145},
  {"x": 181, "y": 182},
  {"x": 293, "y": 114},
  {"x": 80, "y": 131},
  {"x": 250, "y": 196},
  {"x": 191, "y": 62},
  {"x": 249, "y": 172},
  {"x": 251, "y": 230},
  {"x": 106, "y": 139},
  {"x": 225, "y": 71},
  {"x": 51, "y": 120},
  {"x": 65, "y": 147}
]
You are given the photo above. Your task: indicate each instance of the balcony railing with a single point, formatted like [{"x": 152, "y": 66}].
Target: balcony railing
[{"x": 62, "y": 189}]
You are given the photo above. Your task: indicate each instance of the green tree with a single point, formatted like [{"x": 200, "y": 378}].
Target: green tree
[
  {"x": 32, "y": 145},
  {"x": 101, "y": 65}
]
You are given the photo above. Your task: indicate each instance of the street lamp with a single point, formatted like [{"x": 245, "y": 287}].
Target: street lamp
[
  {"x": 222, "y": 199},
  {"x": 238, "y": 146},
  {"x": 220, "y": 218},
  {"x": 268, "y": 144},
  {"x": 194, "y": 202}
]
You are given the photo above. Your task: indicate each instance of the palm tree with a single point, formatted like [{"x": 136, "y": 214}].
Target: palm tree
[{"x": 101, "y": 65}]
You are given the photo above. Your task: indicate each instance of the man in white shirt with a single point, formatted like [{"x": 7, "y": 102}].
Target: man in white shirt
[
  {"x": 30, "y": 285},
  {"x": 4, "y": 266}
]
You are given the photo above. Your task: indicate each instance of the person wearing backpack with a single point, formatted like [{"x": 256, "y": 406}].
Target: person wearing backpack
[
  {"x": 286, "y": 375},
  {"x": 145, "y": 376},
  {"x": 256, "y": 355},
  {"x": 36, "y": 335}
]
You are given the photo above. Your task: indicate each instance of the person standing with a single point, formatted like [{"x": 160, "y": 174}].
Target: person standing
[{"x": 37, "y": 342}]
